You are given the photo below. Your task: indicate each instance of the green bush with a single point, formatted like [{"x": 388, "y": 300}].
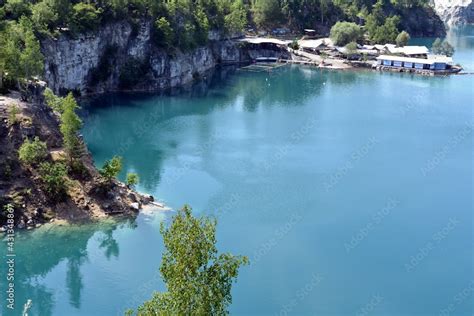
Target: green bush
[
  {"x": 163, "y": 33},
  {"x": 386, "y": 32},
  {"x": 17, "y": 8},
  {"x": 351, "y": 48},
  {"x": 85, "y": 17},
  {"x": 294, "y": 45},
  {"x": 342, "y": 33},
  {"x": 33, "y": 152},
  {"x": 111, "y": 168},
  {"x": 13, "y": 111},
  {"x": 54, "y": 179},
  {"x": 132, "y": 179},
  {"x": 69, "y": 127},
  {"x": 52, "y": 100},
  {"x": 442, "y": 48},
  {"x": 403, "y": 38}
]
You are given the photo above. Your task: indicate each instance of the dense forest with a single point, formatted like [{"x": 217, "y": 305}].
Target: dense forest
[{"x": 185, "y": 24}]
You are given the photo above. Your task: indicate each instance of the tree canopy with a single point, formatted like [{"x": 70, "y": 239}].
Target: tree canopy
[
  {"x": 198, "y": 279},
  {"x": 343, "y": 33}
]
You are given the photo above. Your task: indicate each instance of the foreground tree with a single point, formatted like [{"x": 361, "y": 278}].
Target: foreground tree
[{"x": 199, "y": 281}]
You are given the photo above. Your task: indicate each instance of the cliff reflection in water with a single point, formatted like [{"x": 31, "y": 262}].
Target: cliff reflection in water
[{"x": 62, "y": 248}]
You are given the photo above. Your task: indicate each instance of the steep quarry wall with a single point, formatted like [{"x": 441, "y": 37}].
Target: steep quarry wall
[{"x": 120, "y": 57}]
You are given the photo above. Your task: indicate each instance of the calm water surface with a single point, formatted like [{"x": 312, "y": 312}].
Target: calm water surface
[{"x": 351, "y": 193}]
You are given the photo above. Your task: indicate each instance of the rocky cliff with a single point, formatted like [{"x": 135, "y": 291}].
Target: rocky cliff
[
  {"x": 122, "y": 57},
  {"x": 455, "y": 12},
  {"x": 23, "y": 188}
]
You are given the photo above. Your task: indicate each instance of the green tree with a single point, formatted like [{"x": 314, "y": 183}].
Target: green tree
[
  {"x": 342, "y": 33},
  {"x": 403, "y": 38},
  {"x": 440, "y": 47},
  {"x": 236, "y": 20},
  {"x": 436, "y": 46},
  {"x": 199, "y": 281},
  {"x": 266, "y": 12},
  {"x": 33, "y": 152},
  {"x": 351, "y": 49},
  {"x": 17, "y": 8},
  {"x": 201, "y": 29},
  {"x": 54, "y": 178},
  {"x": 43, "y": 16},
  {"x": 164, "y": 36},
  {"x": 111, "y": 168},
  {"x": 31, "y": 58},
  {"x": 61, "y": 8},
  {"x": 386, "y": 33},
  {"x": 52, "y": 100},
  {"x": 69, "y": 127},
  {"x": 85, "y": 17},
  {"x": 447, "y": 49},
  {"x": 132, "y": 179}
]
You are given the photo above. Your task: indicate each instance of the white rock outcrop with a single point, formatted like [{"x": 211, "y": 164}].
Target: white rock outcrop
[{"x": 455, "y": 12}]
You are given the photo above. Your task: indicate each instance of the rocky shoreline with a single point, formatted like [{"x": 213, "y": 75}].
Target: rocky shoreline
[{"x": 21, "y": 186}]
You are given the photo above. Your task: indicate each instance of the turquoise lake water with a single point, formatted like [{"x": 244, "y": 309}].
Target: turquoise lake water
[{"x": 350, "y": 192}]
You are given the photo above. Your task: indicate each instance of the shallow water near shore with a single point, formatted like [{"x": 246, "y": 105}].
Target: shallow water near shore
[{"x": 350, "y": 192}]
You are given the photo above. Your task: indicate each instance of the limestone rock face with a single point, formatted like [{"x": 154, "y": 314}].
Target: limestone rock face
[
  {"x": 120, "y": 56},
  {"x": 455, "y": 12}
]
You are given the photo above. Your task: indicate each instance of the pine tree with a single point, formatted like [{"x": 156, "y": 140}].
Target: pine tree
[{"x": 70, "y": 125}]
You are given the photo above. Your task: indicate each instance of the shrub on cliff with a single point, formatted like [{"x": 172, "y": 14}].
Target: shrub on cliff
[
  {"x": 69, "y": 127},
  {"x": 132, "y": 179},
  {"x": 20, "y": 54},
  {"x": 111, "y": 168},
  {"x": 33, "y": 152},
  {"x": 53, "y": 177},
  {"x": 13, "y": 111},
  {"x": 342, "y": 33},
  {"x": 85, "y": 17},
  {"x": 52, "y": 100},
  {"x": 163, "y": 33}
]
